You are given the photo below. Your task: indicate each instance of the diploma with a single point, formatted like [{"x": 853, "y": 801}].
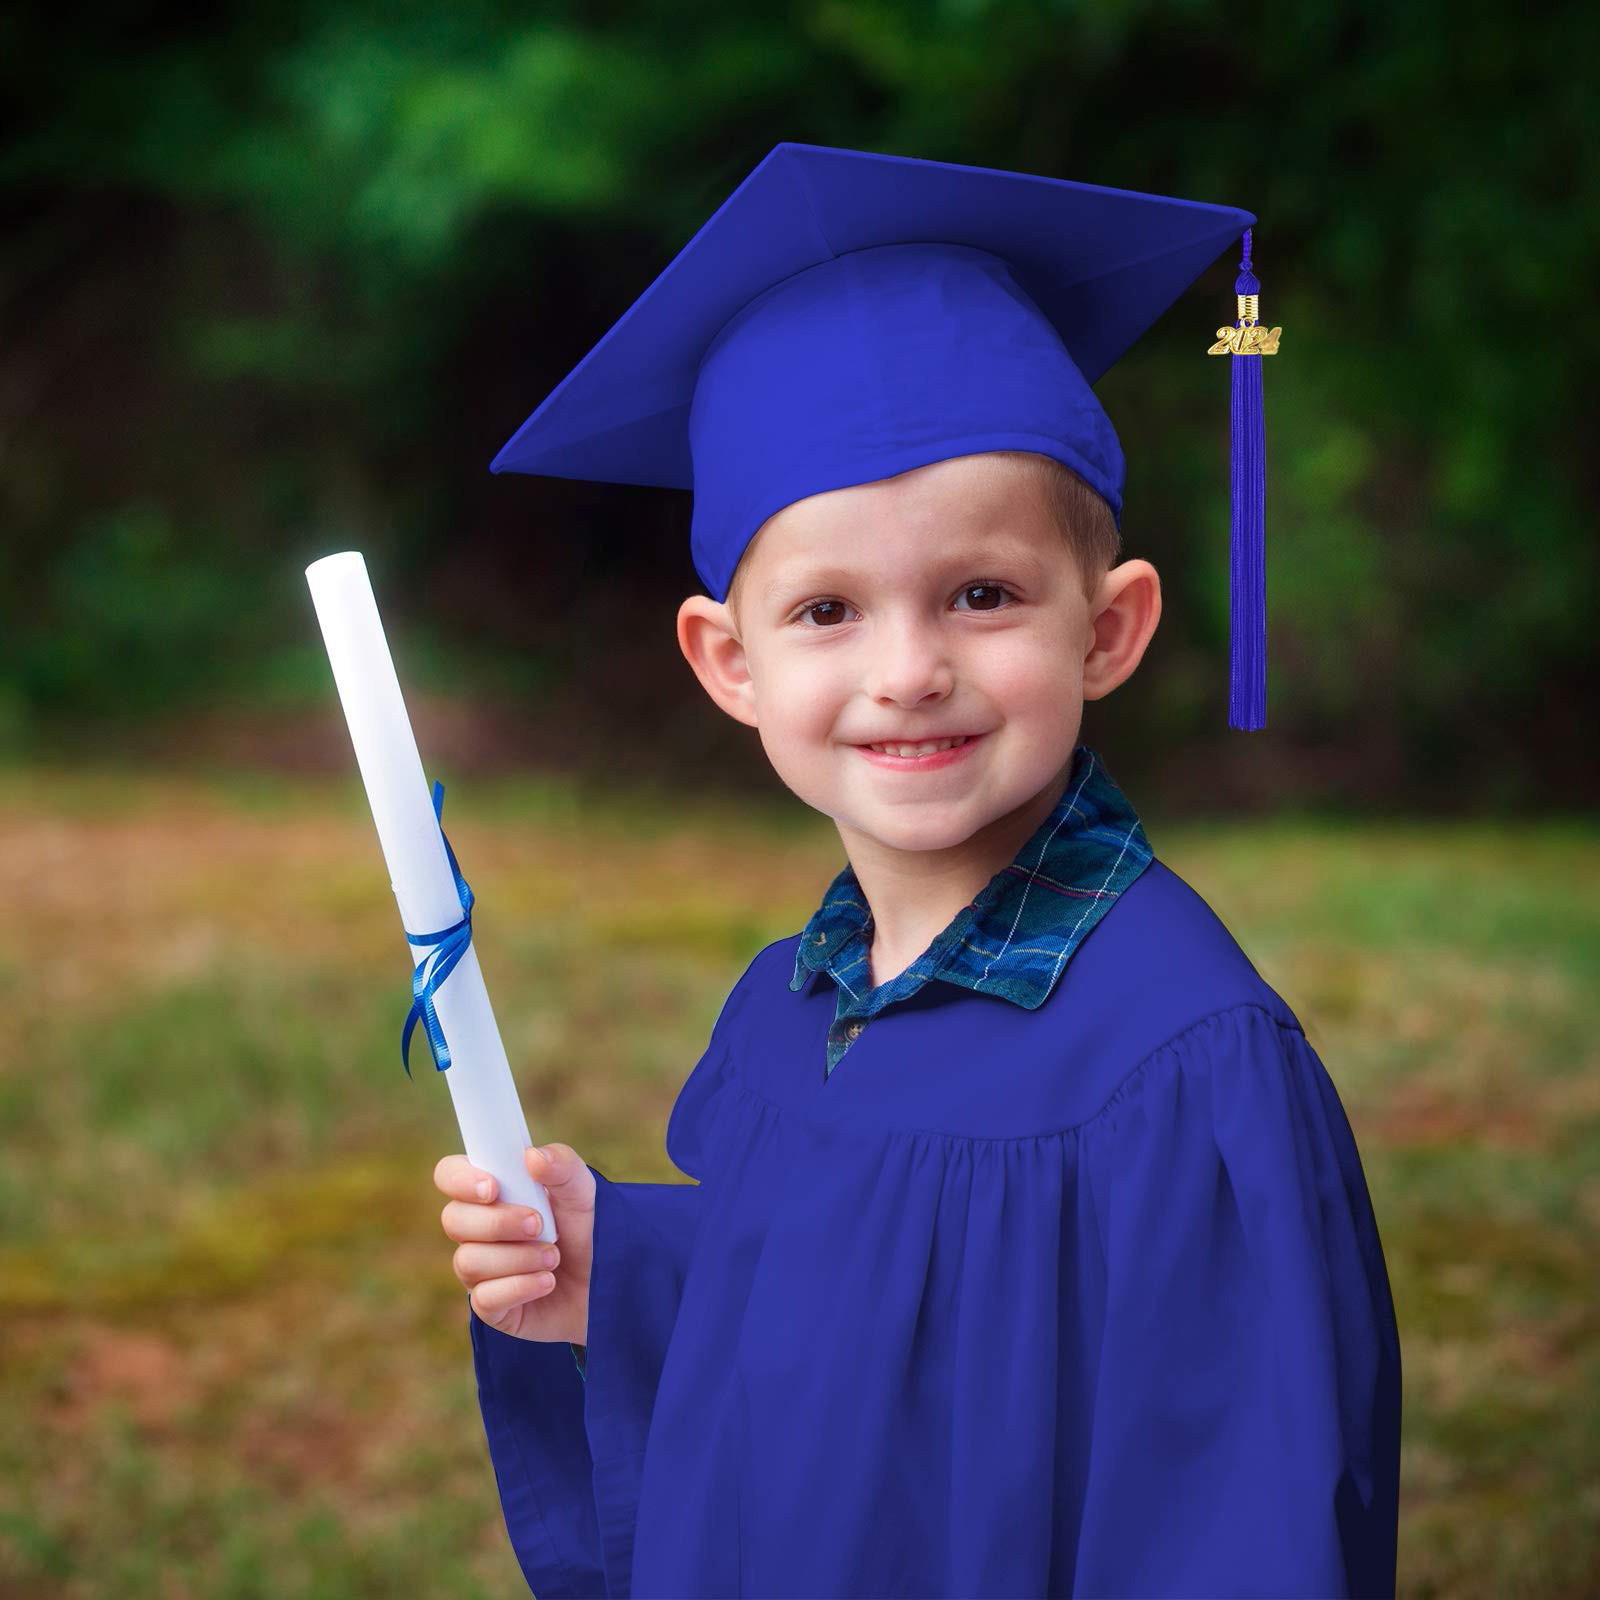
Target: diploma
[{"x": 493, "y": 1128}]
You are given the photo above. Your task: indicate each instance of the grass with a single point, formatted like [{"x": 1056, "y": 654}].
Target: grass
[{"x": 234, "y": 1354}]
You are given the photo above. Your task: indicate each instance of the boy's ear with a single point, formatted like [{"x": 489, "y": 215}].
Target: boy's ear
[
  {"x": 1122, "y": 619},
  {"x": 711, "y": 645}
]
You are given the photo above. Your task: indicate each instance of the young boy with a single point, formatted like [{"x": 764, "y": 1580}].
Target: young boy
[{"x": 1030, "y": 1251}]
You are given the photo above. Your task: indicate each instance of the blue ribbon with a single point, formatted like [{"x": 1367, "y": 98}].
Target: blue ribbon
[{"x": 450, "y": 944}]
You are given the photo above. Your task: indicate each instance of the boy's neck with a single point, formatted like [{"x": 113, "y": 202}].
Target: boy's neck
[{"x": 914, "y": 895}]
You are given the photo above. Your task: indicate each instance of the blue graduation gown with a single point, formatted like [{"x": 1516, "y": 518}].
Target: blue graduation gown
[{"x": 1081, "y": 1300}]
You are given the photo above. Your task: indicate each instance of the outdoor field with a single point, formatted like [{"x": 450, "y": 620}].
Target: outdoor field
[
  {"x": 234, "y": 1354},
  {"x": 442, "y": 284}
]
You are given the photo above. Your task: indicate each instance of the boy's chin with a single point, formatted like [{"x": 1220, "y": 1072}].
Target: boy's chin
[{"x": 893, "y": 829}]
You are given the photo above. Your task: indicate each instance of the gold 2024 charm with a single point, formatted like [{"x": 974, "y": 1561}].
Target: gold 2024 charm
[{"x": 1250, "y": 339}]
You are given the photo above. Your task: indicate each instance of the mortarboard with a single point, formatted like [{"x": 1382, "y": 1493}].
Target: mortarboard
[{"x": 845, "y": 315}]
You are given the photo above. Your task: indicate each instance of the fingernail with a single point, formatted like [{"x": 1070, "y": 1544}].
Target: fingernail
[
  {"x": 485, "y": 1188},
  {"x": 549, "y": 1256},
  {"x": 533, "y": 1223}
]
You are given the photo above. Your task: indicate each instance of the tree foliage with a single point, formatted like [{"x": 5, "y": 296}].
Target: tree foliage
[{"x": 285, "y": 278}]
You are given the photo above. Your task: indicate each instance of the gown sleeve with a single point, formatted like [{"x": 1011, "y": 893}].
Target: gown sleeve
[
  {"x": 567, "y": 1442},
  {"x": 1246, "y": 1425}
]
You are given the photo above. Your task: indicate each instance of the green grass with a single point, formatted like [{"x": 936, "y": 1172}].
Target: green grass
[{"x": 234, "y": 1355}]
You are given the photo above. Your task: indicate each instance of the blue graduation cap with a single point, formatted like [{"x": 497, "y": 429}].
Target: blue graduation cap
[{"x": 845, "y": 315}]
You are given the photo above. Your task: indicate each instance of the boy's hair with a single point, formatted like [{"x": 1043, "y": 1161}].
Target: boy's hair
[{"x": 1081, "y": 517}]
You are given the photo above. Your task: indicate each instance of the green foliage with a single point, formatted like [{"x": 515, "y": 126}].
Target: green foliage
[
  {"x": 371, "y": 237},
  {"x": 136, "y": 619}
]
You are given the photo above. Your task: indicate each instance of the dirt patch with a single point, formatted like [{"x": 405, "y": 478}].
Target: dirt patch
[
  {"x": 1424, "y": 1114},
  {"x": 145, "y": 1374}
]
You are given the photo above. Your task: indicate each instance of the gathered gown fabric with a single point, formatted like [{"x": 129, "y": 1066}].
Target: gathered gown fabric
[{"x": 1081, "y": 1301}]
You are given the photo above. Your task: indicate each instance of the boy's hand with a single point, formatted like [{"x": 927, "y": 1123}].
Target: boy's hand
[{"x": 520, "y": 1285}]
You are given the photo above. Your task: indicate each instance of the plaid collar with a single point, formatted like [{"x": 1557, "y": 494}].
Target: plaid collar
[{"x": 1015, "y": 938}]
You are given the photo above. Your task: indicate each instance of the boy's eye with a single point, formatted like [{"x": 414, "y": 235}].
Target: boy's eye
[
  {"x": 834, "y": 607},
  {"x": 822, "y": 605},
  {"x": 985, "y": 588}
]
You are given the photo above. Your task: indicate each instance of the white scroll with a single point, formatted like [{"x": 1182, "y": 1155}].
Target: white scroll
[{"x": 493, "y": 1128}]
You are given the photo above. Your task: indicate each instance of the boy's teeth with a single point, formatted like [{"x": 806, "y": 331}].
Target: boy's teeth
[{"x": 916, "y": 749}]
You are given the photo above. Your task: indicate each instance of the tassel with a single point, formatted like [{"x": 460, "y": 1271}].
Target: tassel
[{"x": 1246, "y": 342}]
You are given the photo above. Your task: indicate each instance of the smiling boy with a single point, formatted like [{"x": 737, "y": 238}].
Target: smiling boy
[
  {"x": 828, "y": 644},
  {"x": 1029, "y": 1250}
]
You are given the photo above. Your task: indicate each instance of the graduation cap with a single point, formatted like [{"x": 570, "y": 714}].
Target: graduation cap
[{"x": 845, "y": 315}]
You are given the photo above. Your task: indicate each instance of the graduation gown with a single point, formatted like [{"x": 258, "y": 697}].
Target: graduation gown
[{"x": 1086, "y": 1300}]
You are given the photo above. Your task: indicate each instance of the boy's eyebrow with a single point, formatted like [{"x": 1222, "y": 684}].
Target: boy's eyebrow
[{"x": 1007, "y": 552}]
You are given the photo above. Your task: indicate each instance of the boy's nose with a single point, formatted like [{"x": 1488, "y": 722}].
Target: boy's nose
[{"x": 908, "y": 665}]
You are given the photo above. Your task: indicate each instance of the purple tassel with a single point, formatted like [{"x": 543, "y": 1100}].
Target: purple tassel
[{"x": 1247, "y": 698}]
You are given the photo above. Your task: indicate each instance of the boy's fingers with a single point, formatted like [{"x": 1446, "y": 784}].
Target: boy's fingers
[
  {"x": 458, "y": 1178},
  {"x": 478, "y": 1263},
  {"x": 495, "y": 1296},
  {"x": 464, "y": 1219},
  {"x": 552, "y": 1163}
]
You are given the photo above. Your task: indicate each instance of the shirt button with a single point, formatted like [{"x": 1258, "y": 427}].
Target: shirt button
[{"x": 821, "y": 938}]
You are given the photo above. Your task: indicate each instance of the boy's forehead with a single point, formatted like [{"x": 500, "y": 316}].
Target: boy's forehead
[
  {"x": 965, "y": 505},
  {"x": 806, "y": 559}
]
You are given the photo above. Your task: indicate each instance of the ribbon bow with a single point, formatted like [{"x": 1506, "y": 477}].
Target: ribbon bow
[{"x": 450, "y": 944}]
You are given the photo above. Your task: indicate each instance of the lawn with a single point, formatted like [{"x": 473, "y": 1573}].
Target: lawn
[{"x": 234, "y": 1354}]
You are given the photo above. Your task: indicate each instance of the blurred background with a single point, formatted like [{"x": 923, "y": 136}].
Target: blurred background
[{"x": 281, "y": 280}]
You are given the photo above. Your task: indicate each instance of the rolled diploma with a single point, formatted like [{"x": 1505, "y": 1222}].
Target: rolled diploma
[{"x": 481, "y": 1087}]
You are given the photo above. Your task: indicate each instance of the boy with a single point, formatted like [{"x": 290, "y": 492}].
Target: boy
[{"x": 1029, "y": 1250}]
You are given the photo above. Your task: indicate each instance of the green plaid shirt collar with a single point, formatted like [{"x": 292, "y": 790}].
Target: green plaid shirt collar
[{"x": 1015, "y": 939}]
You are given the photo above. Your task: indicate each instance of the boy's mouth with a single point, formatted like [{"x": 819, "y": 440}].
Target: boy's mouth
[{"x": 922, "y": 756}]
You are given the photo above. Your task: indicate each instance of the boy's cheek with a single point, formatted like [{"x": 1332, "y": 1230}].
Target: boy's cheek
[{"x": 803, "y": 704}]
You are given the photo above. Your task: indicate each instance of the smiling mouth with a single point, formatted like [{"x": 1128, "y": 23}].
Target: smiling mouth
[
  {"x": 925, "y": 747},
  {"x": 925, "y": 755}
]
